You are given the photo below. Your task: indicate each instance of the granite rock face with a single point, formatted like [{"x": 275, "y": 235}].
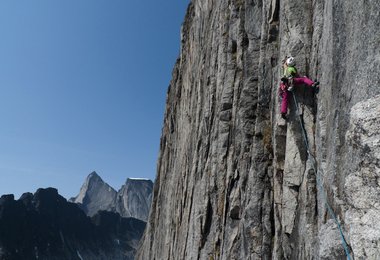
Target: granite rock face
[
  {"x": 95, "y": 195},
  {"x": 132, "y": 200},
  {"x": 45, "y": 226},
  {"x": 362, "y": 182},
  {"x": 235, "y": 181}
]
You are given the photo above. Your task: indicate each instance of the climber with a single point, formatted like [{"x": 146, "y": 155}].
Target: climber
[{"x": 291, "y": 79}]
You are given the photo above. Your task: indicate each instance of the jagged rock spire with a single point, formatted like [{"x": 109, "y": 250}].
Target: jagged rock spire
[
  {"x": 95, "y": 195},
  {"x": 132, "y": 200}
]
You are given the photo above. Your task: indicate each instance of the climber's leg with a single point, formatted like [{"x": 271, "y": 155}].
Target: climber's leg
[
  {"x": 284, "y": 102},
  {"x": 303, "y": 80}
]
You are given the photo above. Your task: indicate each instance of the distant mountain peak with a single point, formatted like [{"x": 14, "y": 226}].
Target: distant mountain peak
[
  {"x": 93, "y": 173},
  {"x": 132, "y": 200},
  {"x": 95, "y": 195},
  {"x": 138, "y": 180},
  {"x": 94, "y": 177}
]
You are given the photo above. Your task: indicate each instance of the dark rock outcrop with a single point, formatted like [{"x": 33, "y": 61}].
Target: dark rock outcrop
[
  {"x": 46, "y": 226},
  {"x": 235, "y": 180}
]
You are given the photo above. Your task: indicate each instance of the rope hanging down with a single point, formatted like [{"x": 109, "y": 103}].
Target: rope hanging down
[{"x": 319, "y": 182}]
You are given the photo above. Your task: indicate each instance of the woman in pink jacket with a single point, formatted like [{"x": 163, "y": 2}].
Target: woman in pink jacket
[{"x": 291, "y": 79}]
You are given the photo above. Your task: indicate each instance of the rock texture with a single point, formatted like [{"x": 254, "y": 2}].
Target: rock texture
[
  {"x": 362, "y": 182},
  {"x": 45, "y": 226},
  {"x": 132, "y": 200},
  {"x": 235, "y": 180},
  {"x": 95, "y": 195}
]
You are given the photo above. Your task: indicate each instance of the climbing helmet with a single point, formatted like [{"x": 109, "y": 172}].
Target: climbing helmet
[{"x": 290, "y": 61}]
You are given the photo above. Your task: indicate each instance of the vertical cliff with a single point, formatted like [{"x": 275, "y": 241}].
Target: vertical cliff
[{"x": 234, "y": 180}]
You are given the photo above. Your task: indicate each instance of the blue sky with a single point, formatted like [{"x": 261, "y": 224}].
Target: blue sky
[{"x": 82, "y": 88}]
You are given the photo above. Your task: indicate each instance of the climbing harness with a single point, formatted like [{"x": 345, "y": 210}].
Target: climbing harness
[
  {"x": 319, "y": 182},
  {"x": 290, "y": 84}
]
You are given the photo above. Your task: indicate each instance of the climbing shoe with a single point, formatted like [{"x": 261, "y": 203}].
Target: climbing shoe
[
  {"x": 284, "y": 116},
  {"x": 284, "y": 80},
  {"x": 315, "y": 84},
  {"x": 315, "y": 87}
]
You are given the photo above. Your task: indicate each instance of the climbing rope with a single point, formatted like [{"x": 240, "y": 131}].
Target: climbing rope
[{"x": 319, "y": 182}]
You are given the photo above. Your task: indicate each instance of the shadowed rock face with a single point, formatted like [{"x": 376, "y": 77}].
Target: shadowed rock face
[
  {"x": 235, "y": 180},
  {"x": 46, "y": 226},
  {"x": 132, "y": 200}
]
